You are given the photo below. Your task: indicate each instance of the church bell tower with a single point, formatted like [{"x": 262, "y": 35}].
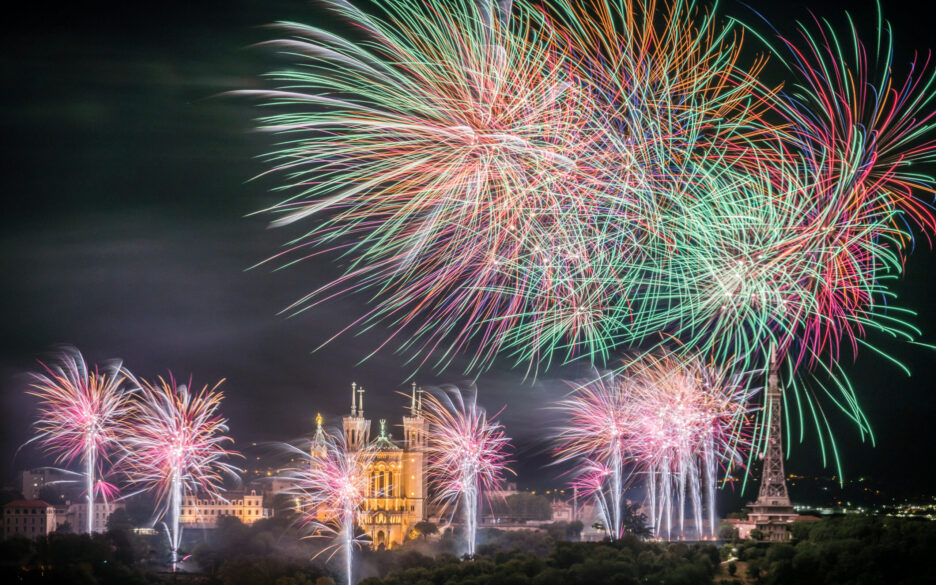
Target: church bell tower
[
  {"x": 356, "y": 427},
  {"x": 414, "y": 437}
]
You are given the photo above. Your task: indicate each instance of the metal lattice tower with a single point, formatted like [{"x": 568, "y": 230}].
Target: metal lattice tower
[
  {"x": 773, "y": 488},
  {"x": 772, "y": 512}
]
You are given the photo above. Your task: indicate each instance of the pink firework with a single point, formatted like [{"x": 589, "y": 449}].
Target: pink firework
[
  {"x": 685, "y": 417},
  {"x": 330, "y": 488},
  {"x": 177, "y": 445},
  {"x": 467, "y": 453},
  {"x": 81, "y": 416},
  {"x": 594, "y": 432},
  {"x": 666, "y": 417},
  {"x": 592, "y": 480}
]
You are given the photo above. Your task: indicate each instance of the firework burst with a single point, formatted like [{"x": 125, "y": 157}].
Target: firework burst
[
  {"x": 81, "y": 417},
  {"x": 666, "y": 418},
  {"x": 685, "y": 418},
  {"x": 177, "y": 446},
  {"x": 466, "y": 455},
  {"x": 330, "y": 487},
  {"x": 560, "y": 182},
  {"x": 594, "y": 434},
  {"x": 492, "y": 174}
]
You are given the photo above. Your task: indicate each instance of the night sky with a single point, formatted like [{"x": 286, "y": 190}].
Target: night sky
[{"x": 126, "y": 182}]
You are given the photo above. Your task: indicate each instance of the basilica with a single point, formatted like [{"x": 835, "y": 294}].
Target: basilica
[{"x": 396, "y": 492}]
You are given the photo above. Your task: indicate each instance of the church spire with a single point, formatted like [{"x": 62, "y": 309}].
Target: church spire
[{"x": 356, "y": 427}]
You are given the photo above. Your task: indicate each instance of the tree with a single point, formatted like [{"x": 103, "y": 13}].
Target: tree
[
  {"x": 266, "y": 569},
  {"x": 119, "y": 521},
  {"x": 524, "y": 507},
  {"x": 732, "y": 568},
  {"x": 727, "y": 531},
  {"x": 426, "y": 528},
  {"x": 800, "y": 529},
  {"x": 753, "y": 570},
  {"x": 634, "y": 521},
  {"x": 742, "y": 514},
  {"x": 757, "y": 534}
]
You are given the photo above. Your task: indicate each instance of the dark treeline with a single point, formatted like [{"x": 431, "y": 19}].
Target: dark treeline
[
  {"x": 851, "y": 550},
  {"x": 117, "y": 557},
  {"x": 626, "y": 561},
  {"x": 848, "y": 550}
]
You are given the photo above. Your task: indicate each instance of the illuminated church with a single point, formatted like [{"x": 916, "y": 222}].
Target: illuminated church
[{"x": 396, "y": 491}]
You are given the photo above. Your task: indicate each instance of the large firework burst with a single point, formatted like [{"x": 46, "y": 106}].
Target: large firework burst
[
  {"x": 564, "y": 181},
  {"x": 489, "y": 171},
  {"x": 330, "y": 486},
  {"x": 81, "y": 417},
  {"x": 466, "y": 456},
  {"x": 177, "y": 446}
]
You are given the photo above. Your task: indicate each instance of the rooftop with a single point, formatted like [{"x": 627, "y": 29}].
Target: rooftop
[{"x": 28, "y": 504}]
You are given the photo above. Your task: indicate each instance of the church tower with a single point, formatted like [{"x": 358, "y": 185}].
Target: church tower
[
  {"x": 414, "y": 437},
  {"x": 356, "y": 427},
  {"x": 394, "y": 499}
]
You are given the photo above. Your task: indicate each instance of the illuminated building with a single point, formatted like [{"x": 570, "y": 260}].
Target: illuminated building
[
  {"x": 203, "y": 511},
  {"x": 395, "y": 499},
  {"x": 76, "y": 514},
  {"x": 32, "y": 481},
  {"x": 29, "y": 518}
]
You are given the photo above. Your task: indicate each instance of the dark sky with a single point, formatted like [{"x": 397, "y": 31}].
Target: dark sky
[{"x": 125, "y": 183}]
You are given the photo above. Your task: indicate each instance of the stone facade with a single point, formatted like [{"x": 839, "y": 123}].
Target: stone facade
[
  {"x": 396, "y": 491},
  {"x": 203, "y": 511},
  {"x": 29, "y": 518}
]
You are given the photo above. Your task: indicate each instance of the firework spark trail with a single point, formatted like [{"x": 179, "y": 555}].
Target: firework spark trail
[
  {"x": 684, "y": 417},
  {"x": 806, "y": 267},
  {"x": 491, "y": 177},
  {"x": 177, "y": 446},
  {"x": 466, "y": 454},
  {"x": 860, "y": 130},
  {"x": 81, "y": 416},
  {"x": 666, "y": 418},
  {"x": 330, "y": 485},
  {"x": 594, "y": 432},
  {"x": 592, "y": 481}
]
